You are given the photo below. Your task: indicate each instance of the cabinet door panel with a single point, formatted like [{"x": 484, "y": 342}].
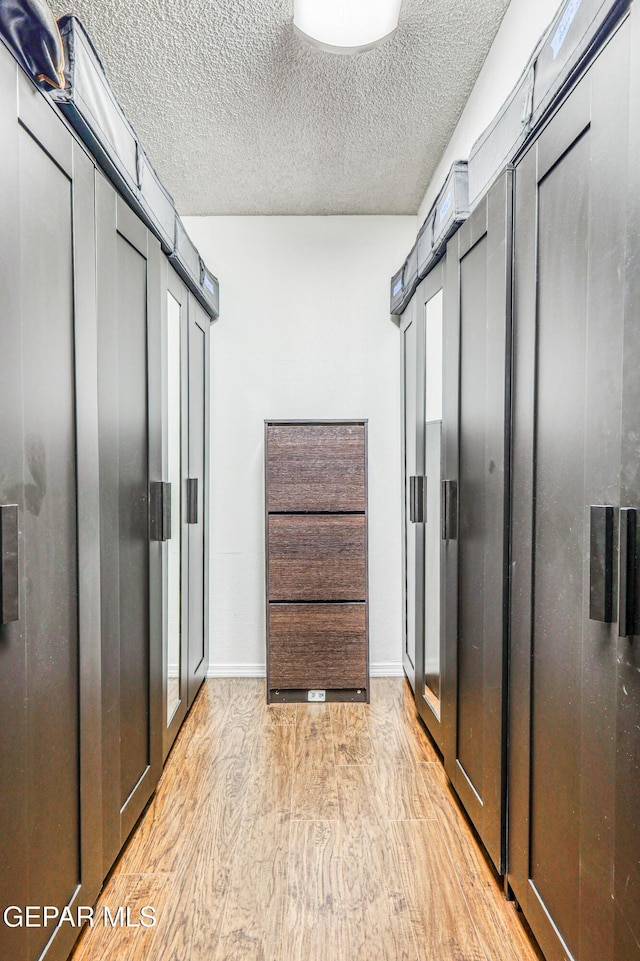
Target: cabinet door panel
[
  {"x": 129, "y": 397},
  {"x": 627, "y": 805},
  {"x": 409, "y": 357},
  {"x": 133, "y": 533},
  {"x": 197, "y": 393},
  {"x": 558, "y": 533},
  {"x": 13, "y": 678},
  {"x": 476, "y": 570},
  {"x": 317, "y": 646},
  {"x": 317, "y": 557},
  {"x": 472, "y": 523},
  {"x": 49, "y": 529},
  {"x": 50, "y": 848},
  {"x": 175, "y": 469},
  {"x": 315, "y": 467},
  {"x": 434, "y": 386},
  {"x": 569, "y": 297}
]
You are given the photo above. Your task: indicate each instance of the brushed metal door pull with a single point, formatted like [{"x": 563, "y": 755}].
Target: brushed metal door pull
[
  {"x": 627, "y": 562},
  {"x": 192, "y": 500},
  {"x": 9, "y": 564},
  {"x": 601, "y": 564},
  {"x": 418, "y": 500},
  {"x": 160, "y": 505},
  {"x": 449, "y": 510}
]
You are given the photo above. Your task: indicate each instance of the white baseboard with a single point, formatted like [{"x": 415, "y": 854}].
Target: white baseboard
[
  {"x": 237, "y": 670},
  {"x": 381, "y": 669},
  {"x": 387, "y": 669}
]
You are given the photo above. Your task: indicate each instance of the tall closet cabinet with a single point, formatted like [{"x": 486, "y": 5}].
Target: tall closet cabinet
[
  {"x": 129, "y": 404},
  {"x": 103, "y": 515},
  {"x": 574, "y": 855},
  {"x": 521, "y": 360},
  {"x": 50, "y": 671},
  {"x": 185, "y": 370},
  {"x": 316, "y": 560},
  {"x": 455, "y": 337}
]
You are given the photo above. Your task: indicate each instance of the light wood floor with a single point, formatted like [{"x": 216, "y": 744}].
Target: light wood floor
[{"x": 305, "y": 833}]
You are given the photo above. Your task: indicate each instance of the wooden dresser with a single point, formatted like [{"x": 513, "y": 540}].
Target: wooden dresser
[{"x": 316, "y": 560}]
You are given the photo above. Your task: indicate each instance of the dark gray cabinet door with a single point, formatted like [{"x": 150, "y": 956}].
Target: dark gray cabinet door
[
  {"x": 185, "y": 467},
  {"x": 568, "y": 309},
  {"x": 48, "y": 651},
  {"x": 129, "y": 401},
  {"x": 198, "y": 393},
  {"x": 174, "y": 468},
  {"x": 627, "y": 835},
  {"x": 410, "y": 375},
  {"x": 13, "y": 678},
  {"x": 433, "y": 375},
  {"x": 478, "y": 324}
]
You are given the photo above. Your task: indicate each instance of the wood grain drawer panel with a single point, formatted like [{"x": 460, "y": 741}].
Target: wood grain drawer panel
[
  {"x": 317, "y": 557},
  {"x": 316, "y": 467},
  {"x": 317, "y": 646}
]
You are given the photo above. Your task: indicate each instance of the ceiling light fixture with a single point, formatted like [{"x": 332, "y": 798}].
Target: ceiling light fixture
[{"x": 345, "y": 26}]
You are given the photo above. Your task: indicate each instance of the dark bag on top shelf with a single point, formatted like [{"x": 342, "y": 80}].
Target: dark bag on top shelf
[{"x": 32, "y": 33}]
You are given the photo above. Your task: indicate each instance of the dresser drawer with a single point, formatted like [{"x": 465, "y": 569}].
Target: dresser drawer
[
  {"x": 317, "y": 646},
  {"x": 317, "y": 557},
  {"x": 315, "y": 467}
]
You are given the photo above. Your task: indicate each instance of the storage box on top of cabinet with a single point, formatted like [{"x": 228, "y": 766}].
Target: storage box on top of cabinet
[
  {"x": 403, "y": 283},
  {"x": 424, "y": 245},
  {"x": 499, "y": 143},
  {"x": 316, "y": 537},
  {"x": 570, "y": 42},
  {"x": 576, "y": 33},
  {"x": 90, "y": 105},
  {"x": 451, "y": 207},
  {"x": 191, "y": 267},
  {"x": 92, "y": 108},
  {"x": 449, "y": 211}
]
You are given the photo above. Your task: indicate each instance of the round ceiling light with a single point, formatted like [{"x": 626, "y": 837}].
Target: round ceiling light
[{"x": 345, "y": 26}]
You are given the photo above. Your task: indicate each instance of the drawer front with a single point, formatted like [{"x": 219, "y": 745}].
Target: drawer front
[
  {"x": 317, "y": 467},
  {"x": 317, "y": 646},
  {"x": 317, "y": 558}
]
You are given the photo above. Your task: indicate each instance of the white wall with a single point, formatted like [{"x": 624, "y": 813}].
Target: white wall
[
  {"x": 304, "y": 332},
  {"x": 523, "y": 24}
]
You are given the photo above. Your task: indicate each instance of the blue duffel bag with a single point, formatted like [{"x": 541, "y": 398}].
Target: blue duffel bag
[{"x": 32, "y": 33}]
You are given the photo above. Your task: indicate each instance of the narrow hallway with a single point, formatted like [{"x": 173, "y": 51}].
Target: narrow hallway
[{"x": 297, "y": 832}]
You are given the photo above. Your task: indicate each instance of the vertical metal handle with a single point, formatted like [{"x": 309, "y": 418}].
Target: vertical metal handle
[
  {"x": 9, "y": 564},
  {"x": 601, "y": 564},
  {"x": 160, "y": 510},
  {"x": 192, "y": 500},
  {"x": 417, "y": 500},
  {"x": 449, "y": 510},
  {"x": 166, "y": 511},
  {"x": 627, "y": 562}
]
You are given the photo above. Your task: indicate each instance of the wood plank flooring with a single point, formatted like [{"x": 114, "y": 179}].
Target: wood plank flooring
[{"x": 296, "y": 832}]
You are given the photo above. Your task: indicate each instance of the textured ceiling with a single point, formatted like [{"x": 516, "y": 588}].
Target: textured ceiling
[{"x": 239, "y": 116}]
